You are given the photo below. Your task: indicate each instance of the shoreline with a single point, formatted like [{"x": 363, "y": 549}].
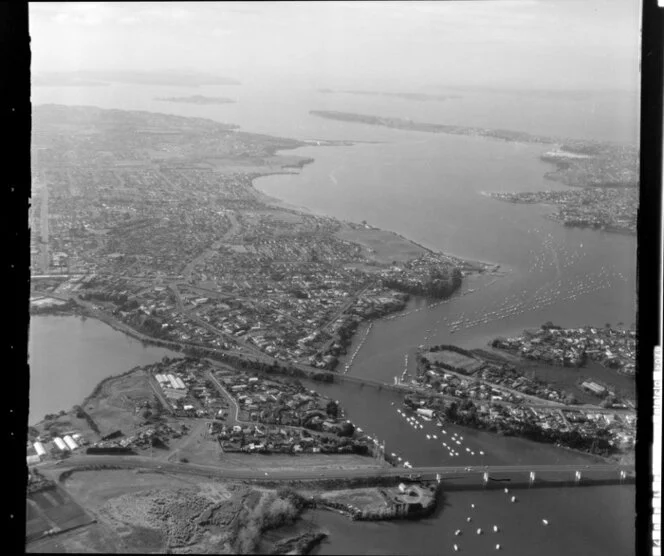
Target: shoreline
[{"x": 276, "y": 202}]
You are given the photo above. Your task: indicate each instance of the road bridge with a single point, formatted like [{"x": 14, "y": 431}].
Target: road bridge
[
  {"x": 254, "y": 354},
  {"x": 468, "y": 477}
]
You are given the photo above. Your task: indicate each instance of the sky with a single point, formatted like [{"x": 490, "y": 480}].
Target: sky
[{"x": 523, "y": 44}]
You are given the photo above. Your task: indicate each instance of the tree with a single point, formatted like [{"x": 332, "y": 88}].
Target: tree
[
  {"x": 347, "y": 429},
  {"x": 332, "y": 409}
]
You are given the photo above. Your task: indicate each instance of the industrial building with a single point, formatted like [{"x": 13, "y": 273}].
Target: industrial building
[{"x": 39, "y": 448}]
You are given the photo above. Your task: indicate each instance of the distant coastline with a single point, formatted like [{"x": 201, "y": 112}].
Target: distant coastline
[
  {"x": 197, "y": 99},
  {"x": 404, "y": 96}
]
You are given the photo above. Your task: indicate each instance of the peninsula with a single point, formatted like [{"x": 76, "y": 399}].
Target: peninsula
[
  {"x": 607, "y": 209},
  {"x": 579, "y": 162},
  {"x": 487, "y": 390},
  {"x": 180, "y": 454},
  {"x": 155, "y": 227}
]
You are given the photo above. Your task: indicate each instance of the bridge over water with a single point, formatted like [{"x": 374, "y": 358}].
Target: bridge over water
[{"x": 458, "y": 477}]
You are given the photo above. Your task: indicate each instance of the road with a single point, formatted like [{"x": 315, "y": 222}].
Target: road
[
  {"x": 139, "y": 462},
  {"x": 223, "y": 391},
  {"x": 257, "y": 354}
]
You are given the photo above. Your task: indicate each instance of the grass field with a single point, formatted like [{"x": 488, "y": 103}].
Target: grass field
[
  {"x": 94, "y": 538},
  {"x": 113, "y": 408},
  {"x": 52, "y": 509},
  {"x": 318, "y": 462},
  {"x": 383, "y": 247}
]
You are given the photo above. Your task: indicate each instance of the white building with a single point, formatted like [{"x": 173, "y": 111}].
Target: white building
[
  {"x": 70, "y": 442},
  {"x": 60, "y": 444}
]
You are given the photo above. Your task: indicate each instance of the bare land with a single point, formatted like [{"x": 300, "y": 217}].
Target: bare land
[{"x": 154, "y": 512}]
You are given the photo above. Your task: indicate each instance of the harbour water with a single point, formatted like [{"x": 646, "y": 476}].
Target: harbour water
[
  {"x": 69, "y": 355},
  {"x": 428, "y": 188},
  {"x": 521, "y": 531}
]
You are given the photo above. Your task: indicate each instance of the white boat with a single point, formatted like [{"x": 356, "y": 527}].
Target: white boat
[
  {"x": 546, "y": 522},
  {"x": 472, "y": 505},
  {"x": 456, "y": 548},
  {"x": 428, "y": 437},
  {"x": 457, "y": 532},
  {"x": 495, "y": 528},
  {"x": 497, "y": 547},
  {"x": 479, "y": 531},
  {"x": 469, "y": 519},
  {"x": 435, "y": 437},
  {"x": 513, "y": 498},
  {"x": 507, "y": 490}
]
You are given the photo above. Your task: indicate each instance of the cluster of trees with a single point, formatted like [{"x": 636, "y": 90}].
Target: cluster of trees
[
  {"x": 151, "y": 326},
  {"x": 271, "y": 512},
  {"x": 441, "y": 282},
  {"x": 122, "y": 301},
  {"x": 82, "y": 414}
]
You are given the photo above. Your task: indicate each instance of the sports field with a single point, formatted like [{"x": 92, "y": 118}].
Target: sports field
[{"x": 457, "y": 361}]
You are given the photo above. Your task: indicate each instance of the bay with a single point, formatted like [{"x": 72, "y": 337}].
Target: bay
[{"x": 69, "y": 356}]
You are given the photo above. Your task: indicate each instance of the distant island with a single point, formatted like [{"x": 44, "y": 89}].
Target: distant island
[
  {"x": 197, "y": 99},
  {"x": 578, "y": 162},
  {"x": 406, "y": 96}
]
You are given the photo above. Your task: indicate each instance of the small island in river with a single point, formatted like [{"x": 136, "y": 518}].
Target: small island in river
[{"x": 197, "y": 99}]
